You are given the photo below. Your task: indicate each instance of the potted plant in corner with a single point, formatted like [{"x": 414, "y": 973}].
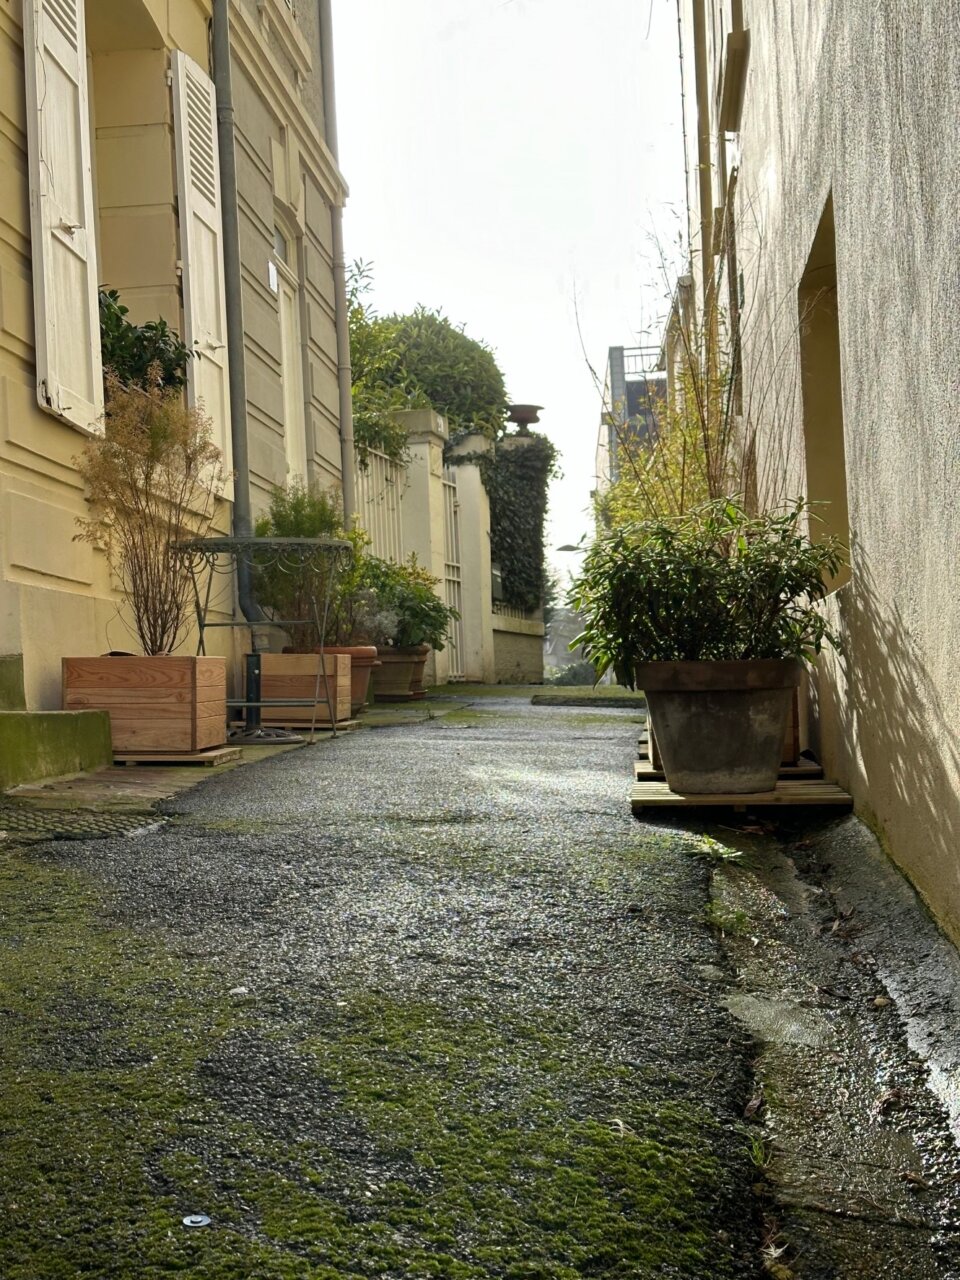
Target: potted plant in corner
[
  {"x": 350, "y": 629},
  {"x": 713, "y": 615},
  {"x": 152, "y": 478},
  {"x": 422, "y": 623}
]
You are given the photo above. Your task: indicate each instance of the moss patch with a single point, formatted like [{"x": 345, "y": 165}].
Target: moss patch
[
  {"x": 48, "y": 744},
  {"x": 509, "y": 1152},
  {"x": 370, "y": 1137}
]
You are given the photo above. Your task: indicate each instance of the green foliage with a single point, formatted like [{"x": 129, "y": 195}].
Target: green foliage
[
  {"x": 298, "y": 511},
  {"x": 517, "y": 480},
  {"x": 408, "y": 590},
  {"x": 716, "y": 583},
  {"x": 131, "y": 351},
  {"x": 671, "y": 470},
  {"x": 574, "y": 675},
  {"x": 371, "y": 601},
  {"x": 439, "y": 365},
  {"x": 416, "y": 361},
  {"x": 374, "y": 352}
]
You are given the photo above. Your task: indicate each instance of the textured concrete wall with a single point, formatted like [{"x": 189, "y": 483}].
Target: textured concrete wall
[
  {"x": 517, "y": 650},
  {"x": 51, "y": 744},
  {"x": 861, "y": 102}
]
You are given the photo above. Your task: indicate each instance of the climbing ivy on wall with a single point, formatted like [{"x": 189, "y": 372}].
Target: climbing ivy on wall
[{"x": 516, "y": 481}]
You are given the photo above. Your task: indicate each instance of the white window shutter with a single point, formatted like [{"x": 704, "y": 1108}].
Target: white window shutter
[
  {"x": 67, "y": 324},
  {"x": 201, "y": 247}
]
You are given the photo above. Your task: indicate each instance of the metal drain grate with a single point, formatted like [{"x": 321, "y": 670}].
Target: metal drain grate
[{"x": 26, "y": 823}]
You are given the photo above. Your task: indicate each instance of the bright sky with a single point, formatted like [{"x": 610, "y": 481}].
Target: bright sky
[{"x": 508, "y": 161}]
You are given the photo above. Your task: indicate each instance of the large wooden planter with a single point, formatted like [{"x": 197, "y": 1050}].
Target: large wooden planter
[
  {"x": 168, "y": 703},
  {"x": 294, "y": 675}
]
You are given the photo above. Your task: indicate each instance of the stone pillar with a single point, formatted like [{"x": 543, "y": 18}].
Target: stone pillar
[
  {"x": 477, "y": 610},
  {"x": 422, "y": 508}
]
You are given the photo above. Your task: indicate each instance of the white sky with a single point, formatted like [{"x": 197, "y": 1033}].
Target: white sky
[{"x": 506, "y": 157}]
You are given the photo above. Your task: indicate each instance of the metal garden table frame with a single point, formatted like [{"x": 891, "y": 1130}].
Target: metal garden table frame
[{"x": 221, "y": 555}]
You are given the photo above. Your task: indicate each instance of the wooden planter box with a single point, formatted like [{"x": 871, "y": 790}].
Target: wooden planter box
[
  {"x": 294, "y": 675},
  {"x": 168, "y": 703}
]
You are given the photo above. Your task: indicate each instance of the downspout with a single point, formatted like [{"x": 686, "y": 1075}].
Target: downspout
[
  {"x": 704, "y": 156},
  {"x": 686, "y": 145},
  {"x": 344, "y": 371},
  {"x": 242, "y": 511}
]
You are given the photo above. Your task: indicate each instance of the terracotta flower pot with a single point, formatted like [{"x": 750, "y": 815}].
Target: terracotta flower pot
[
  {"x": 417, "y": 689},
  {"x": 363, "y": 659},
  {"x": 392, "y": 679},
  {"x": 720, "y": 725}
]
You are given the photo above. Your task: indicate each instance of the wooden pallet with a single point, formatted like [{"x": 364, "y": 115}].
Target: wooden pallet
[
  {"x": 645, "y": 772},
  {"x": 212, "y": 756},
  {"x": 297, "y": 726},
  {"x": 789, "y": 793}
]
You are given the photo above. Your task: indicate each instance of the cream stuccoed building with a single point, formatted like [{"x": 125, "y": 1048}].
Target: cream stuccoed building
[
  {"x": 182, "y": 153},
  {"x": 822, "y": 149}
]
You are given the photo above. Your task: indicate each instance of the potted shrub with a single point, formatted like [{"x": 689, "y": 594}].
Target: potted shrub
[
  {"x": 152, "y": 478},
  {"x": 713, "y": 614},
  {"x": 352, "y": 627},
  {"x": 422, "y": 623}
]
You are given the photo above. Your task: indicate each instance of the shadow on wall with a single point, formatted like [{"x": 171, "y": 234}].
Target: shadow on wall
[{"x": 885, "y": 734}]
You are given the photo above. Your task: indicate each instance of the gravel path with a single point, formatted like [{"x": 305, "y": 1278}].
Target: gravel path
[{"x": 421, "y": 1002}]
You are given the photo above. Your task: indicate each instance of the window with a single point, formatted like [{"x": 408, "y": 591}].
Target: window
[
  {"x": 291, "y": 354},
  {"x": 822, "y": 384}
]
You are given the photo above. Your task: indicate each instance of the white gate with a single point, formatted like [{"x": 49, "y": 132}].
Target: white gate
[
  {"x": 380, "y": 488},
  {"x": 452, "y": 585}
]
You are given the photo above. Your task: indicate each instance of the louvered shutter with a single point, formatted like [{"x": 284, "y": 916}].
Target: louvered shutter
[
  {"x": 69, "y": 375},
  {"x": 201, "y": 251}
]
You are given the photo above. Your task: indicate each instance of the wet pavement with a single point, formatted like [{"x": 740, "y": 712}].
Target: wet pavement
[{"x": 427, "y": 1001}]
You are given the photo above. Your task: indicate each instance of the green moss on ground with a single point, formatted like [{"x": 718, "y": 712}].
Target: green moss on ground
[
  {"x": 481, "y": 715},
  {"x": 524, "y": 1156},
  {"x": 415, "y": 1142}
]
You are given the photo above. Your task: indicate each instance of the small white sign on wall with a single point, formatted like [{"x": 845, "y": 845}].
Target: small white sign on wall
[{"x": 272, "y": 278}]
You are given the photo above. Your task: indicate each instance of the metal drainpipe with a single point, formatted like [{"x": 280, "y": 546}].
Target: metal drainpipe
[
  {"x": 242, "y": 512},
  {"x": 344, "y": 371}
]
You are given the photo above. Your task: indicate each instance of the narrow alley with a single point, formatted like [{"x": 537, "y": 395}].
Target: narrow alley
[{"x": 421, "y": 1002}]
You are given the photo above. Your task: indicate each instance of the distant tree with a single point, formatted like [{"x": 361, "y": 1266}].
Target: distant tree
[{"x": 417, "y": 361}]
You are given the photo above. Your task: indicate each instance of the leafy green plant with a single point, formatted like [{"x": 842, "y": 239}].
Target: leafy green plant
[
  {"x": 409, "y": 590},
  {"x": 377, "y": 395},
  {"x": 714, "y": 851},
  {"x": 715, "y": 583},
  {"x": 517, "y": 481},
  {"x": 135, "y": 355},
  {"x": 355, "y": 614},
  {"x": 371, "y": 601}
]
